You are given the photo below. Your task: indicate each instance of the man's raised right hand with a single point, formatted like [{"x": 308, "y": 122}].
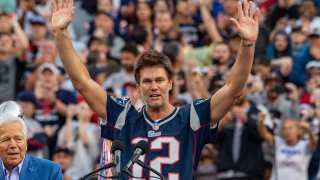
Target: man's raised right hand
[{"x": 62, "y": 14}]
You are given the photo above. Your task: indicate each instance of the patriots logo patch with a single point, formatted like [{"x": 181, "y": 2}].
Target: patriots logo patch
[
  {"x": 199, "y": 101},
  {"x": 120, "y": 101}
]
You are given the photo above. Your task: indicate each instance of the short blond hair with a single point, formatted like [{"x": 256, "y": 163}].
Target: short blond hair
[{"x": 296, "y": 123}]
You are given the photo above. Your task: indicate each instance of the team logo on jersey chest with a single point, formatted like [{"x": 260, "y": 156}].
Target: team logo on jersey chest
[
  {"x": 153, "y": 133},
  {"x": 155, "y": 126}
]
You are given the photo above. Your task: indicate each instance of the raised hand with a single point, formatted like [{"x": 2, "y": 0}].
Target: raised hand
[
  {"x": 247, "y": 25},
  {"x": 62, "y": 14},
  {"x": 261, "y": 118},
  {"x": 71, "y": 109},
  {"x": 305, "y": 125}
]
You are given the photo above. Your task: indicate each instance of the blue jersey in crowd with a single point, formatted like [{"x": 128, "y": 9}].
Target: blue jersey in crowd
[{"x": 175, "y": 141}]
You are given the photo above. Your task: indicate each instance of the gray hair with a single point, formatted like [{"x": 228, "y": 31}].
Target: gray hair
[{"x": 9, "y": 119}]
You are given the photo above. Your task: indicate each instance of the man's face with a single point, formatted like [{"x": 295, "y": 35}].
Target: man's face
[
  {"x": 6, "y": 44},
  {"x": 49, "y": 48},
  {"x": 290, "y": 131},
  {"x": 222, "y": 53},
  {"x": 105, "y": 5},
  {"x": 160, "y": 6},
  {"x": 63, "y": 159},
  {"x": 5, "y": 24},
  {"x": 104, "y": 23},
  {"x": 308, "y": 10},
  {"x": 280, "y": 43},
  {"x": 143, "y": 12},
  {"x": 127, "y": 60},
  {"x": 28, "y": 108},
  {"x": 154, "y": 86},
  {"x": 298, "y": 37},
  {"x": 314, "y": 76},
  {"x": 164, "y": 22},
  {"x": 230, "y": 6},
  {"x": 38, "y": 31},
  {"x": 182, "y": 8},
  {"x": 13, "y": 145},
  {"x": 48, "y": 78}
]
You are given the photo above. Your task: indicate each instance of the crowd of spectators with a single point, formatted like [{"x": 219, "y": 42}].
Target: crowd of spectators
[{"x": 271, "y": 132}]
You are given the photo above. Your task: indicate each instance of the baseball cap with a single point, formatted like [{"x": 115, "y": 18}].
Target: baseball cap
[
  {"x": 64, "y": 150},
  {"x": 48, "y": 66},
  {"x": 296, "y": 28},
  {"x": 314, "y": 32},
  {"x": 28, "y": 96},
  {"x": 313, "y": 64},
  {"x": 37, "y": 20}
]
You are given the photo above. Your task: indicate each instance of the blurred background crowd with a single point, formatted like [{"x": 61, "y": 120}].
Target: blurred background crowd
[{"x": 272, "y": 130}]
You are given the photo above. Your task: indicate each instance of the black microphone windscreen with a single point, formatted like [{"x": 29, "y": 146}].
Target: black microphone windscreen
[
  {"x": 143, "y": 145},
  {"x": 117, "y": 145}
]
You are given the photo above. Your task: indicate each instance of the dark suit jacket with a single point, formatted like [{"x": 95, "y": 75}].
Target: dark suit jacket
[{"x": 37, "y": 169}]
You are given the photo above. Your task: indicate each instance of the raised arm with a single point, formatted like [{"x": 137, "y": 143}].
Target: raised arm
[
  {"x": 247, "y": 27},
  {"x": 209, "y": 22},
  {"x": 313, "y": 142},
  {"x": 23, "y": 44},
  {"x": 95, "y": 96},
  {"x": 263, "y": 131}
]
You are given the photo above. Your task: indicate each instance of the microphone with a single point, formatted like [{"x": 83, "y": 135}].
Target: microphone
[
  {"x": 93, "y": 173},
  {"x": 142, "y": 164},
  {"x": 117, "y": 149},
  {"x": 140, "y": 149}
]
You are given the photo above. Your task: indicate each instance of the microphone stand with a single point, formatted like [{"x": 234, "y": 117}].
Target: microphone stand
[
  {"x": 142, "y": 164},
  {"x": 107, "y": 166}
]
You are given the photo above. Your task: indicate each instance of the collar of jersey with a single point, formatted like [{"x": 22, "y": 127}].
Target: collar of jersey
[{"x": 161, "y": 121}]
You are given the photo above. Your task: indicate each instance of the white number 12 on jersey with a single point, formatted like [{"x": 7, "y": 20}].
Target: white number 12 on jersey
[{"x": 156, "y": 163}]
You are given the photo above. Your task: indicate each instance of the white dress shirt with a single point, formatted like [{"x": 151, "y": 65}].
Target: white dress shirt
[{"x": 14, "y": 174}]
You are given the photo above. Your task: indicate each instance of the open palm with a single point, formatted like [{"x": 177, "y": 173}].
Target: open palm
[
  {"x": 247, "y": 25},
  {"x": 62, "y": 14}
]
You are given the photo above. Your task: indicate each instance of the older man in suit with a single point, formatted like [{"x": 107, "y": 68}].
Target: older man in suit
[{"x": 14, "y": 163}]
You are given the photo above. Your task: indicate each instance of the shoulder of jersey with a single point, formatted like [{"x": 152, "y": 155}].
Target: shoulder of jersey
[
  {"x": 120, "y": 101},
  {"x": 199, "y": 101}
]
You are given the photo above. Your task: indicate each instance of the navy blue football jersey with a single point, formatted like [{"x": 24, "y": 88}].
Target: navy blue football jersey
[{"x": 175, "y": 141}]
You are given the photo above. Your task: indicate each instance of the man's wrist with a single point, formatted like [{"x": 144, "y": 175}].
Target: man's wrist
[
  {"x": 59, "y": 32},
  {"x": 246, "y": 43}
]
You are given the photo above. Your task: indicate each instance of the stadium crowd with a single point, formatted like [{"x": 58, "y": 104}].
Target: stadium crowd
[{"x": 272, "y": 132}]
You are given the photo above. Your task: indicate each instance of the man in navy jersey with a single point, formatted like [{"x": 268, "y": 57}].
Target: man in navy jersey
[{"x": 176, "y": 135}]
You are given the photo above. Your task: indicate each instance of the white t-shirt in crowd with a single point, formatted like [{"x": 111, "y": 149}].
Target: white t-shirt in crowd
[{"x": 291, "y": 161}]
